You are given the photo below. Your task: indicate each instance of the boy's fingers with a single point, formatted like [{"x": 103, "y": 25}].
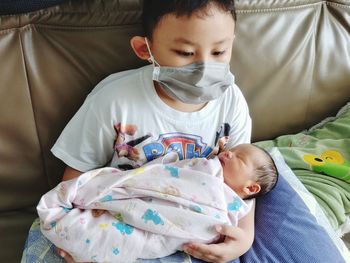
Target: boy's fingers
[
  {"x": 97, "y": 212},
  {"x": 226, "y": 230},
  {"x": 60, "y": 252},
  {"x": 203, "y": 252},
  {"x": 63, "y": 254}
]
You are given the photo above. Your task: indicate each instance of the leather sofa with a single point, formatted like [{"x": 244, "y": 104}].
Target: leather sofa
[{"x": 291, "y": 59}]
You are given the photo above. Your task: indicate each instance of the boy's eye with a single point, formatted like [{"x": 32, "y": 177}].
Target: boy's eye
[
  {"x": 184, "y": 53},
  {"x": 218, "y": 53}
]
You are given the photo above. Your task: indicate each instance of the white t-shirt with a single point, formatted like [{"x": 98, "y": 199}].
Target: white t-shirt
[{"x": 123, "y": 123}]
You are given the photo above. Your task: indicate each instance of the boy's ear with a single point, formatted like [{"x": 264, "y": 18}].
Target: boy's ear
[
  {"x": 251, "y": 189},
  {"x": 139, "y": 46}
]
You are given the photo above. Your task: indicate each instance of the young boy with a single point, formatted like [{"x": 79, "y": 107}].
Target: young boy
[
  {"x": 153, "y": 210},
  {"x": 185, "y": 101}
]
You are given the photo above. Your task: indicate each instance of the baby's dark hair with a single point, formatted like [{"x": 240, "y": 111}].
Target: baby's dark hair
[
  {"x": 266, "y": 175},
  {"x": 154, "y": 10}
]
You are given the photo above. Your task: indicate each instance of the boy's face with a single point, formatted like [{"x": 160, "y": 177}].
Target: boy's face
[
  {"x": 239, "y": 164},
  {"x": 204, "y": 36}
]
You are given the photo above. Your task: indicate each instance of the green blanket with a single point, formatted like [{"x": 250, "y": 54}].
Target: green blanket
[{"x": 320, "y": 158}]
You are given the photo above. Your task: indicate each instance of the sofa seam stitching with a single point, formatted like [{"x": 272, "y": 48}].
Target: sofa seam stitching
[
  {"x": 50, "y": 12},
  {"x": 32, "y": 106},
  {"x": 316, "y": 33},
  {"x": 63, "y": 28},
  {"x": 290, "y": 8}
]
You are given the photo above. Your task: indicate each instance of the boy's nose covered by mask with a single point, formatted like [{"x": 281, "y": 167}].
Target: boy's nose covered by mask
[{"x": 194, "y": 83}]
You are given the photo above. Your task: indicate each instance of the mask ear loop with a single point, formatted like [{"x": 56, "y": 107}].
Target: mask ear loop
[{"x": 151, "y": 58}]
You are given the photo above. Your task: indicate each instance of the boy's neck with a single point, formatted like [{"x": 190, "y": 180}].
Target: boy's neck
[{"x": 176, "y": 104}]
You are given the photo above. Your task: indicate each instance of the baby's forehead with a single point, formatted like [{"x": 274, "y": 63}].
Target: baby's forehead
[
  {"x": 252, "y": 152},
  {"x": 245, "y": 148}
]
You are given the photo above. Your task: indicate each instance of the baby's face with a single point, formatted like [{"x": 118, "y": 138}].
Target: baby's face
[
  {"x": 179, "y": 41},
  {"x": 239, "y": 164}
]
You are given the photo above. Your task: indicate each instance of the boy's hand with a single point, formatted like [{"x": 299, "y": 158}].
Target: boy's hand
[
  {"x": 63, "y": 254},
  {"x": 234, "y": 244},
  {"x": 97, "y": 212}
]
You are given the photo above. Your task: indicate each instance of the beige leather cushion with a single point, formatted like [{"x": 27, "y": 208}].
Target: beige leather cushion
[
  {"x": 50, "y": 61},
  {"x": 292, "y": 61}
]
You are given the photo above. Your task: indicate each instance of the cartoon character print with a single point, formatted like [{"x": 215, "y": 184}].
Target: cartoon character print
[
  {"x": 152, "y": 215},
  {"x": 171, "y": 190},
  {"x": 173, "y": 170},
  {"x": 127, "y": 149},
  {"x": 115, "y": 250},
  {"x": 137, "y": 171},
  {"x": 123, "y": 228},
  {"x": 62, "y": 190},
  {"x": 106, "y": 198},
  {"x": 67, "y": 209},
  {"x": 235, "y": 205},
  {"x": 330, "y": 162},
  {"x": 301, "y": 140},
  {"x": 61, "y": 231},
  {"x": 103, "y": 226},
  {"x": 119, "y": 217},
  {"x": 187, "y": 146},
  {"x": 193, "y": 162},
  {"x": 195, "y": 208}
]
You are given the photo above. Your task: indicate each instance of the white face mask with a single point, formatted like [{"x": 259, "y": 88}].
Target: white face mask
[{"x": 194, "y": 83}]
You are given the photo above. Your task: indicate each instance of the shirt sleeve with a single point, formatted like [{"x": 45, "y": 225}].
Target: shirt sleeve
[
  {"x": 241, "y": 123},
  {"x": 87, "y": 141}
]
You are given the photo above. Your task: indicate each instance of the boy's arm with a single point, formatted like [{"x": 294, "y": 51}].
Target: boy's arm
[
  {"x": 70, "y": 173},
  {"x": 237, "y": 241}
]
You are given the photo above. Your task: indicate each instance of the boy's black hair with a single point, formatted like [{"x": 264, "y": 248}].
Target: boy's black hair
[{"x": 154, "y": 10}]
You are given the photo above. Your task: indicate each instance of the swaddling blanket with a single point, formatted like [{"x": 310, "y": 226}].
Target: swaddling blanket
[{"x": 152, "y": 210}]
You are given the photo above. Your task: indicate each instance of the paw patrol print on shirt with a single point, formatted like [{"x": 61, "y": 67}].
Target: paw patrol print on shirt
[
  {"x": 133, "y": 149},
  {"x": 123, "y": 148},
  {"x": 187, "y": 146}
]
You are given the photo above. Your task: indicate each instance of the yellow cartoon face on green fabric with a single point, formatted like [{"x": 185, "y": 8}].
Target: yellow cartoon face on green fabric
[{"x": 330, "y": 162}]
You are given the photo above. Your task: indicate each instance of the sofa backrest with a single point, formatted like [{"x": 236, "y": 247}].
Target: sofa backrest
[{"x": 291, "y": 59}]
